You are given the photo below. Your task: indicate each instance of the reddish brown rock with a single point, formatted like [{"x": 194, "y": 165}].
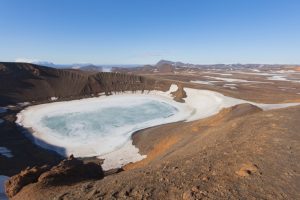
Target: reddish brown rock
[
  {"x": 71, "y": 170},
  {"x": 247, "y": 169},
  {"x": 27, "y": 176},
  {"x": 179, "y": 94}
]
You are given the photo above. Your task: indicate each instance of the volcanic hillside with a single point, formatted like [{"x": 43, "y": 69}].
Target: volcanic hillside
[
  {"x": 240, "y": 153},
  {"x": 21, "y": 82}
]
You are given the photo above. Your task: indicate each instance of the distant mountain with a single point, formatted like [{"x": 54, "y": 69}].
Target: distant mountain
[
  {"x": 164, "y": 62},
  {"x": 167, "y": 62},
  {"x": 214, "y": 66},
  {"x": 92, "y": 68},
  {"x": 164, "y": 66},
  {"x": 45, "y": 63},
  {"x": 53, "y": 65},
  {"x": 84, "y": 66}
]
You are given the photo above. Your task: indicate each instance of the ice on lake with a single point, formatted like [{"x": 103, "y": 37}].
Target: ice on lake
[
  {"x": 105, "y": 122},
  {"x": 97, "y": 126}
]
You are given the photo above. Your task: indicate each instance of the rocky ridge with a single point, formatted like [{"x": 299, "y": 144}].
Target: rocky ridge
[{"x": 22, "y": 82}]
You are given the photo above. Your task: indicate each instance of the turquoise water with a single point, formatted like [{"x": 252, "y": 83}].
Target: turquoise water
[{"x": 106, "y": 121}]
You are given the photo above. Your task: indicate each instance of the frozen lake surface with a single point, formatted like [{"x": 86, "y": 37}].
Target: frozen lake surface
[
  {"x": 100, "y": 126},
  {"x": 101, "y": 121},
  {"x": 85, "y": 125}
]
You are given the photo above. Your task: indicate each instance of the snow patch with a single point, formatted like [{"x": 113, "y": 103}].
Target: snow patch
[
  {"x": 226, "y": 74},
  {"x": 233, "y": 80},
  {"x": 277, "y": 78},
  {"x": 53, "y": 98},
  {"x": 285, "y": 71},
  {"x": 282, "y": 78},
  {"x": 279, "y": 75},
  {"x": 276, "y": 106},
  {"x": 230, "y": 85},
  {"x": 255, "y": 70},
  {"x": 207, "y": 103},
  {"x": 287, "y": 88},
  {"x": 121, "y": 156},
  {"x": 222, "y": 74},
  {"x": 23, "y": 104},
  {"x": 202, "y": 82}
]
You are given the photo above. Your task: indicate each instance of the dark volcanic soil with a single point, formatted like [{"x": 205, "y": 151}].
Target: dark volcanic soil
[{"x": 24, "y": 152}]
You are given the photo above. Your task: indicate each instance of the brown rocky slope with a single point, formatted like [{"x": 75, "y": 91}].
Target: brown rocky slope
[
  {"x": 240, "y": 153},
  {"x": 21, "y": 82}
]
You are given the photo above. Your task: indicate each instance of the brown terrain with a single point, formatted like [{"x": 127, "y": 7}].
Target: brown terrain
[
  {"x": 240, "y": 153},
  {"x": 22, "y": 82}
]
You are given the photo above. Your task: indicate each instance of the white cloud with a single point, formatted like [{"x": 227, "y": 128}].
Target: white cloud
[{"x": 26, "y": 60}]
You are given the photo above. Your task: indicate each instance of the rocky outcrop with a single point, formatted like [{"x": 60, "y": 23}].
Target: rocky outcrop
[
  {"x": 247, "y": 169},
  {"x": 70, "y": 170},
  {"x": 27, "y": 176},
  {"x": 179, "y": 94}
]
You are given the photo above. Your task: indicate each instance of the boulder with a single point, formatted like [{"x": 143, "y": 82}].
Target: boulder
[
  {"x": 70, "y": 170},
  {"x": 27, "y": 176},
  {"x": 247, "y": 169}
]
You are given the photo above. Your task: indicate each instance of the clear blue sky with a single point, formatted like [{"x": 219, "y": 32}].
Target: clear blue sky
[{"x": 145, "y": 31}]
